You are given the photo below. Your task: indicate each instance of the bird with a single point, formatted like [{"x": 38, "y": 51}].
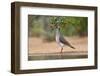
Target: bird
[{"x": 61, "y": 40}]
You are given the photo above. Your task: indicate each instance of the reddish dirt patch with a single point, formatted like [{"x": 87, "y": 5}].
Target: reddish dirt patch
[{"x": 36, "y": 45}]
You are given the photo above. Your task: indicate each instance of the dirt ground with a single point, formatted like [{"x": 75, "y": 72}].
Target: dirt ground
[{"x": 36, "y": 45}]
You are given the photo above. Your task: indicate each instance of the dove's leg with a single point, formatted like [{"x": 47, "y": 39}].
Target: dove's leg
[{"x": 61, "y": 50}]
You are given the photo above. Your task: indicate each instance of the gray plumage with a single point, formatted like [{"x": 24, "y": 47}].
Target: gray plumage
[{"x": 61, "y": 40}]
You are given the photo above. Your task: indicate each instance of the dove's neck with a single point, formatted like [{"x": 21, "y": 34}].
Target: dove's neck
[
  {"x": 57, "y": 32},
  {"x": 57, "y": 35}
]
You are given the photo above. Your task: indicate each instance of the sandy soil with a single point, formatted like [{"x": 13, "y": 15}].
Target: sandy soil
[{"x": 36, "y": 45}]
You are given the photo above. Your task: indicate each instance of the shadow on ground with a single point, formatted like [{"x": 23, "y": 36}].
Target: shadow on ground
[{"x": 58, "y": 55}]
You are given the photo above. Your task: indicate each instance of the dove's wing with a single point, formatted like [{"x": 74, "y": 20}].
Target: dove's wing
[{"x": 62, "y": 40}]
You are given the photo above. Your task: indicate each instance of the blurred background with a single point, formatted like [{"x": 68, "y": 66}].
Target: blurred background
[
  {"x": 41, "y": 33},
  {"x": 41, "y": 26}
]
